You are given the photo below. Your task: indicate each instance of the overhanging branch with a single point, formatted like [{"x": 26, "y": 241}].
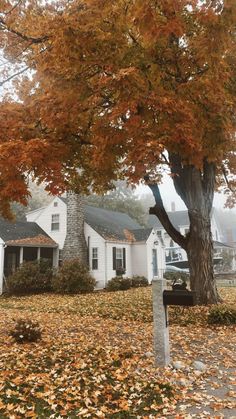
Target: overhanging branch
[
  {"x": 24, "y": 37},
  {"x": 162, "y": 215}
]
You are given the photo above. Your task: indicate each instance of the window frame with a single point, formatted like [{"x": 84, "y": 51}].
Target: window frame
[
  {"x": 94, "y": 259},
  {"x": 119, "y": 257},
  {"x": 55, "y": 225}
]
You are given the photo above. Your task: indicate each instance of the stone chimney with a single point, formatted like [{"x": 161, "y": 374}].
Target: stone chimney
[
  {"x": 75, "y": 246},
  {"x": 172, "y": 206}
]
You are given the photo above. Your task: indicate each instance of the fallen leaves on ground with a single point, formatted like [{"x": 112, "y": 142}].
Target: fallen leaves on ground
[{"x": 95, "y": 359}]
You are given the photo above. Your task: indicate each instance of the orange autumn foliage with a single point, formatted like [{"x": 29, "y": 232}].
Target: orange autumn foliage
[{"x": 111, "y": 86}]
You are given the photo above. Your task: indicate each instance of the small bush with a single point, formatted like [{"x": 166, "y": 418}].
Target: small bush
[
  {"x": 31, "y": 277},
  {"x": 222, "y": 314},
  {"x": 139, "y": 281},
  {"x": 119, "y": 284},
  {"x": 26, "y": 331},
  {"x": 120, "y": 271},
  {"x": 73, "y": 277}
]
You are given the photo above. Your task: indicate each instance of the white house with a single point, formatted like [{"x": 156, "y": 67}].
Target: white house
[
  {"x": 114, "y": 240},
  {"x": 23, "y": 241},
  {"x": 174, "y": 254}
]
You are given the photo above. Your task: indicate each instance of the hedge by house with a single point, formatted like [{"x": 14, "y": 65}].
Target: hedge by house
[
  {"x": 121, "y": 284},
  {"x": 31, "y": 277},
  {"x": 73, "y": 277}
]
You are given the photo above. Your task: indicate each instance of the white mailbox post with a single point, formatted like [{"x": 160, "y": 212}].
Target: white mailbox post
[{"x": 161, "y": 328}]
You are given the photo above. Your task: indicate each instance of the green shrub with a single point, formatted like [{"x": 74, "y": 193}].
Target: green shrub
[
  {"x": 139, "y": 281},
  {"x": 222, "y": 314},
  {"x": 31, "y": 277},
  {"x": 73, "y": 277},
  {"x": 119, "y": 284},
  {"x": 26, "y": 331}
]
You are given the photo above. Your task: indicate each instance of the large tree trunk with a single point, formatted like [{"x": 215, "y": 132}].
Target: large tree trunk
[
  {"x": 75, "y": 246},
  {"x": 196, "y": 188},
  {"x": 200, "y": 258}
]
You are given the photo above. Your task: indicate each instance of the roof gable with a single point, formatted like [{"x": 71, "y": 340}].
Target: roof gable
[{"x": 24, "y": 233}]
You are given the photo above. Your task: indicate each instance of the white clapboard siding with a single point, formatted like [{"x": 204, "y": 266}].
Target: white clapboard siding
[
  {"x": 43, "y": 217},
  {"x": 139, "y": 259},
  {"x": 94, "y": 240}
]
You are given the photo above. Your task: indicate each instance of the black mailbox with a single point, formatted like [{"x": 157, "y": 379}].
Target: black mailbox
[{"x": 179, "y": 296}]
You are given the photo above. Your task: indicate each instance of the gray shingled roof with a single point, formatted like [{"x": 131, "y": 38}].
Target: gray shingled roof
[
  {"x": 21, "y": 230},
  {"x": 110, "y": 224},
  {"x": 114, "y": 225},
  {"x": 178, "y": 218},
  {"x": 142, "y": 234}
]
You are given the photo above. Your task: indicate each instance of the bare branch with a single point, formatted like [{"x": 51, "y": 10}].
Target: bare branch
[
  {"x": 13, "y": 75},
  {"x": 165, "y": 159},
  {"x": 22, "y": 36},
  {"x": 226, "y": 179},
  {"x": 13, "y": 8}
]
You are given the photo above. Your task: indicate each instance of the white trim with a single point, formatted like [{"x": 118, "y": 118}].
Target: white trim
[
  {"x": 21, "y": 255},
  {"x": 2, "y": 252}
]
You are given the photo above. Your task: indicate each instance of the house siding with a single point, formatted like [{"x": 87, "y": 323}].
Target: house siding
[
  {"x": 139, "y": 259},
  {"x": 93, "y": 239},
  {"x": 43, "y": 218}
]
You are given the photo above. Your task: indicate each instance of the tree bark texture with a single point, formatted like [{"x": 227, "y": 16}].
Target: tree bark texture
[
  {"x": 75, "y": 246},
  {"x": 196, "y": 188},
  {"x": 200, "y": 258}
]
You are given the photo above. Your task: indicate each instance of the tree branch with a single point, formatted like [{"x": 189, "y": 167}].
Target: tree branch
[
  {"x": 13, "y": 75},
  {"x": 162, "y": 215},
  {"x": 13, "y": 8},
  {"x": 226, "y": 179},
  {"x": 178, "y": 175},
  {"x": 22, "y": 36}
]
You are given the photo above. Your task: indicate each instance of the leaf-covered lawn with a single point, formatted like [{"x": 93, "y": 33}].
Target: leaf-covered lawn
[
  {"x": 132, "y": 305},
  {"x": 95, "y": 358}
]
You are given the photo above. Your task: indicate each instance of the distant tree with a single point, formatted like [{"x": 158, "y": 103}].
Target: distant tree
[{"x": 39, "y": 197}]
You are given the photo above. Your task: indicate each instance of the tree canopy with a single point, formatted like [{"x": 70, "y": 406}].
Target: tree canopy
[
  {"x": 103, "y": 90},
  {"x": 114, "y": 89}
]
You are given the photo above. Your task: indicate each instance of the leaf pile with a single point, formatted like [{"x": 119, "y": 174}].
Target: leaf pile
[
  {"x": 70, "y": 374},
  {"x": 96, "y": 364},
  {"x": 130, "y": 305}
]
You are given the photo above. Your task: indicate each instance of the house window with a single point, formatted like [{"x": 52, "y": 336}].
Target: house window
[
  {"x": 55, "y": 223},
  {"x": 55, "y": 204},
  {"x": 119, "y": 258},
  {"x": 94, "y": 258}
]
